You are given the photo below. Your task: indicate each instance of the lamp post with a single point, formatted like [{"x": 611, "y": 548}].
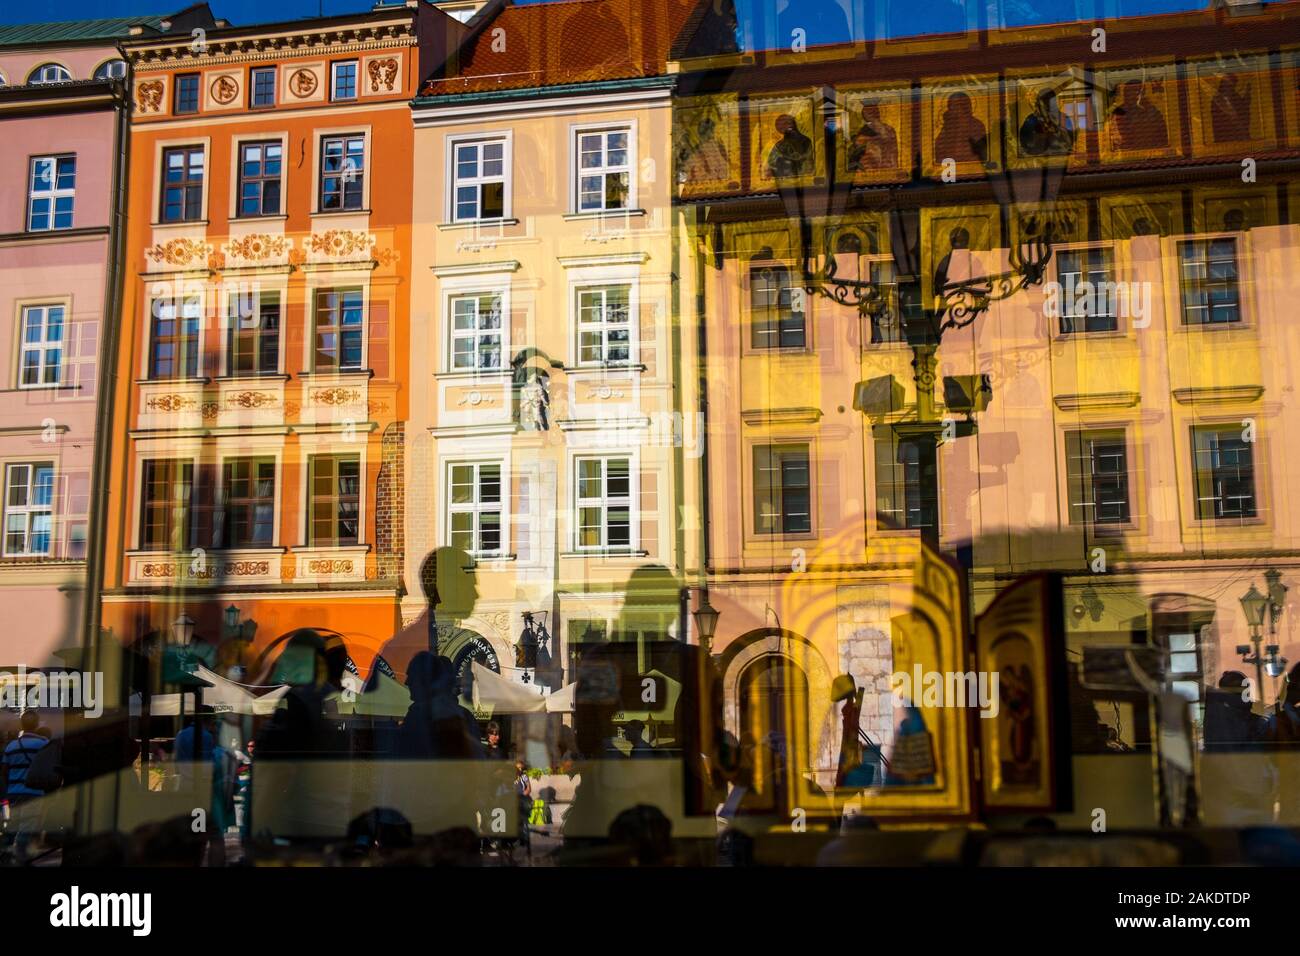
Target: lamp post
[
  {"x": 706, "y": 621},
  {"x": 1253, "y": 605}
]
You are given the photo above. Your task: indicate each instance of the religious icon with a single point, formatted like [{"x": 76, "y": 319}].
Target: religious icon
[
  {"x": 791, "y": 155},
  {"x": 1141, "y": 116},
  {"x": 874, "y": 147},
  {"x": 533, "y": 404},
  {"x": 962, "y": 137},
  {"x": 1046, "y": 131},
  {"x": 706, "y": 144},
  {"x": 1231, "y": 107}
]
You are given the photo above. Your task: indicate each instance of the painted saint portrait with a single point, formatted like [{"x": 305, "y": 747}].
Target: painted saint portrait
[
  {"x": 1138, "y": 117},
  {"x": 706, "y": 145},
  {"x": 873, "y": 147},
  {"x": 1231, "y": 106},
  {"x": 963, "y": 137},
  {"x": 784, "y": 142},
  {"x": 875, "y": 143},
  {"x": 1046, "y": 131}
]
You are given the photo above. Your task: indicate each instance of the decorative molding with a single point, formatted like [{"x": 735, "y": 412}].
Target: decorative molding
[
  {"x": 258, "y": 246},
  {"x": 181, "y": 252},
  {"x": 148, "y": 96},
  {"x": 1218, "y": 394},
  {"x": 1074, "y": 402},
  {"x": 173, "y": 402},
  {"x": 781, "y": 416},
  {"x": 623, "y": 259},
  {"x": 475, "y": 268},
  {"x": 340, "y": 243}
]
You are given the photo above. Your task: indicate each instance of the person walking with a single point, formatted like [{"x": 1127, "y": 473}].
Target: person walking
[{"x": 24, "y": 814}]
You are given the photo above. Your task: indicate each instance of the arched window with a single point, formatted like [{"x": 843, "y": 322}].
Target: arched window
[
  {"x": 49, "y": 73},
  {"x": 111, "y": 70}
]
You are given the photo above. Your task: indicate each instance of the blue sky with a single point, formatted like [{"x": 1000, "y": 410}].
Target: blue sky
[{"x": 914, "y": 17}]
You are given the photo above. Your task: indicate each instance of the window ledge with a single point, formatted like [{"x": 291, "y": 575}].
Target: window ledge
[
  {"x": 41, "y": 388},
  {"x": 337, "y": 373},
  {"x": 490, "y": 375},
  {"x": 606, "y": 553},
  {"x": 472, "y": 223},
  {"x": 329, "y": 213},
  {"x": 603, "y": 214},
  {"x": 273, "y": 217},
  {"x": 615, "y": 367},
  {"x": 254, "y": 377},
  {"x": 331, "y": 548},
  {"x": 73, "y": 232},
  {"x": 478, "y": 559},
  {"x": 179, "y": 223},
  {"x": 197, "y": 380}
]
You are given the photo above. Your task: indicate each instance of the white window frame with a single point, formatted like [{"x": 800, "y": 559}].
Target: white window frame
[
  {"x": 114, "y": 69},
  {"x": 577, "y": 171},
  {"x": 29, "y": 510},
  {"x": 478, "y": 507},
  {"x": 356, "y": 91},
  {"x": 53, "y": 193},
  {"x": 604, "y": 326},
  {"x": 474, "y": 334},
  {"x": 44, "y": 346},
  {"x": 38, "y": 76},
  {"x": 454, "y": 144},
  {"x": 605, "y": 501}
]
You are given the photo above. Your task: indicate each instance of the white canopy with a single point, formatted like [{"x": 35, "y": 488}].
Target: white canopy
[{"x": 504, "y": 696}]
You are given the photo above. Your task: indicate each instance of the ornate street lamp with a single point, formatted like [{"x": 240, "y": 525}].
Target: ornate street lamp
[
  {"x": 706, "y": 621},
  {"x": 1254, "y": 605},
  {"x": 182, "y": 630}
]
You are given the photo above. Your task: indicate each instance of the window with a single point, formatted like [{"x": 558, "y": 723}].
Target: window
[
  {"x": 475, "y": 508},
  {"x": 112, "y": 70},
  {"x": 165, "y": 505},
  {"x": 42, "y": 345},
  {"x": 338, "y": 329},
  {"x": 29, "y": 508},
  {"x": 777, "y": 317},
  {"x": 476, "y": 332},
  {"x": 1184, "y": 664},
  {"x": 1096, "y": 312},
  {"x": 187, "y": 93},
  {"x": 1210, "y": 281},
  {"x": 335, "y": 500},
  {"x": 343, "y": 80},
  {"x": 262, "y": 86},
  {"x": 480, "y": 180},
  {"x": 907, "y": 484},
  {"x": 182, "y": 198},
  {"x": 174, "y": 338},
  {"x": 53, "y": 189},
  {"x": 604, "y": 503},
  {"x": 604, "y": 170},
  {"x": 254, "y": 345},
  {"x": 49, "y": 73},
  {"x": 342, "y": 172},
  {"x": 259, "y": 179},
  {"x": 604, "y": 325},
  {"x": 782, "y": 490},
  {"x": 1224, "y": 469},
  {"x": 248, "y": 502},
  {"x": 1097, "y": 472}
]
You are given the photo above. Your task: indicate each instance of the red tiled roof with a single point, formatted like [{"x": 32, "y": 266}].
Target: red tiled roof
[{"x": 567, "y": 41}]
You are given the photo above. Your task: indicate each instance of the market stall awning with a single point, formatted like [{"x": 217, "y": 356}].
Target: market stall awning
[{"x": 504, "y": 696}]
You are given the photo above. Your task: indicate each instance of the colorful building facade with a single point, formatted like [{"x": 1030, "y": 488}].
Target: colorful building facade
[{"x": 260, "y": 400}]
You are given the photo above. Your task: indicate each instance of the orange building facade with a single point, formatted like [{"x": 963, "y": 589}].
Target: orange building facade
[{"x": 258, "y": 401}]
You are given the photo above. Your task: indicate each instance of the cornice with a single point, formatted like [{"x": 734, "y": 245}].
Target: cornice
[{"x": 288, "y": 46}]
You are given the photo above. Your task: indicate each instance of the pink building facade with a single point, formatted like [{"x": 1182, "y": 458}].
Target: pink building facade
[{"x": 57, "y": 195}]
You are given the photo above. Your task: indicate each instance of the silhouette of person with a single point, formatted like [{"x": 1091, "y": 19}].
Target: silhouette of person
[
  {"x": 959, "y": 264},
  {"x": 436, "y": 725},
  {"x": 1230, "y": 110},
  {"x": 874, "y": 147},
  {"x": 1045, "y": 131},
  {"x": 450, "y": 591},
  {"x": 1230, "y": 724},
  {"x": 312, "y": 662},
  {"x": 792, "y": 154},
  {"x": 962, "y": 135},
  {"x": 1135, "y": 122}
]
